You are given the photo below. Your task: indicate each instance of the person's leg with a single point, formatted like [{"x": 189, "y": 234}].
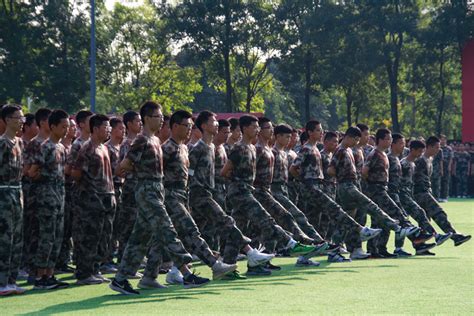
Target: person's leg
[
  {"x": 435, "y": 211},
  {"x": 417, "y": 213},
  {"x": 66, "y": 245},
  {"x": 105, "y": 242},
  {"x": 126, "y": 216}
]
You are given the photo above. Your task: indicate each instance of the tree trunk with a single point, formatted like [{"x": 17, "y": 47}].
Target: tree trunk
[
  {"x": 349, "y": 101},
  {"x": 226, "y": 53},
  {"x": 439, "y": 119},
  {"x": 307, "y": 90}
]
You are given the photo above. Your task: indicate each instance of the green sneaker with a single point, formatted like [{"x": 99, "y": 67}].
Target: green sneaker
[
  {"x": 301, "y": 250},
  {"x": 258, "y": 271},
  {"x": 234, "y": 275}
]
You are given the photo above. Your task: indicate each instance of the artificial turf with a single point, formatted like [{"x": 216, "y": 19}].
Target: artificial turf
[{"x": 443, "y": 284}]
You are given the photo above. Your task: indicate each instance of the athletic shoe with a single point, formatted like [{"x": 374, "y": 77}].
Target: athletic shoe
[
  {"x": 441, "y": 238},
  {"x": 367, "y": 233},
  {"x": 420, "y": 249},
  {"x": 343, "y": 250},
  {"x": 241, "y": 257},
  {"x": 22, "y": 275},
  {"x": 234, "y": 275},
  {"x": 174, "y": 276},
  {"x": 102, "y": 277},
  {"x": 376, "y": 255},
  {"x": 194, "y": 280},
  {"x": 299, "y": 249},
  {"x": 421, "y": 238},
  {"x": 18, "y": 290},
  {"x": 257, "y": 271},
  {"x": 305, "y": 262},
  {"x": 108, "y": 268},
  {"x": 271, "y": 267},
  {"x": 59, "y": 284},
  {"x": 91, "y": 280},
  {"x": 401, "y": 253},
  {"x": 337, "y": 258},
  {"x": 136, "y": 276},
  {"x": 406, "y": 232},
  {"x": 64, "y": 269},
  {"x": 460, "y": 239},
  {"x": 387, "y": 254},
  {"x": 31, "y": 280},
  {"x": 150, "y": 283},
  {"x": 219, "y": 269},
  {"x": 319, "y": 249},
  {"x": 256, "y": 258},
  {"x": 7, "y": 290},
  {"x": 43, "y": 284},
  {"x": 333, "y": 249},
  {"x": 359, "y": 254},
  {"x": 426, "y": 253},
  {"x": 123, "y": 287}
]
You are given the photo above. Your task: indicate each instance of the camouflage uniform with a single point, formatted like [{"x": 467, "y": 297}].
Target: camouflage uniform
[
  {"x": 436, "y": 176},
  {"x": 293, "y": 184},
  {"x": 309, "y": 164},
  {"x": 202, "y": 183},
  {"x": 462, "y": 164},
  {"x": 423, "y": 196},
  {"x": 96, "y": 208},
  {"x": 280, "y": 193},
  {"x": 176, "y": 163},
  {"x": 153, "y": 225},
  {"x": 351, "y": 197},
  {"x": 11, "y": 209},
  {"x": 329, "y": 187},
  {"x": 219, "y": 192},
  {"x": 445, "y": 179},
  {"x": 240, "y": 193}
]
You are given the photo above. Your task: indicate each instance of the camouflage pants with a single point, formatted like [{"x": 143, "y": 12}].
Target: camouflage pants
[
  {"x": 247, "y": 209},
  {"x": 326, "y": 225},
  {"x": 126, "y": 215},
  {"x": 416, "y": 212},
  {"x": 176, "y": 202},
  {"x": 445, "y": 182},
  {"x": 281, "y": 215},
  {"x": 434, "y": 211},
  {"x": 76, "y": 223},
  {"x": 96, "y": 216},
  {"x": 115, "y": 226},
  {"x": 436, "y": 185},
  {"x": 153, "y": 228},
  {"x": 30, "y": 227},
  {"x": 281, "y": 195},
  {"x": 50, "y": 214},
  {"x": 66, "y": 245},
  {"x": 351, "y": 198},
  {"x": 462, "y": 182},
  {"x": 11, "y": 233},
  {"x": 223, "y": 224},
  {"x": 293, "y": 190}
]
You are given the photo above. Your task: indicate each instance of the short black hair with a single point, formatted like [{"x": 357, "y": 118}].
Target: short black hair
[
  {"x": 147, "y": 109},
  {"x": 353, "y": 131},
  {"x": 56, "y": 117},
  {"x": 362, "y": 127},
  {"x": 97, "y": 120},
  {"x": 202, "y": 118},
  {"x": 380, "y": 134},
  {"x": 283, "y": 129},
  {"x": 129, "y": 116},
  {"x": 223, "y": 123},
  {"x": 29, "y": 120},
  {"x": 304, "y": 137},
  {"x": 42, "y": 114},
  {"x": 246, "y": 120},
  {"x": 234, "y": 123},
  {"x": 432, "y": 140},
  {"x": 9, "y": 109},
  {"x": 166, "y": 118},
  {"x": 396, "y": 137},
  {"x": 417, "y": 144},
  {"x": 311, "y": 125},
  {"x": 82, "y": 116},
  {"x": 329, "y": 135},
  {"x": 114, "y": 121},
  {"x": 178, "y": 116},
  {"x": 262, "y": 120}
]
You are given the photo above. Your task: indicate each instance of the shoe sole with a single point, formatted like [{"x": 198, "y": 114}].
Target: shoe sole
[
  {"x": 258, "y": 274},
  {"x": 120, "y": 290},
  {"x": 6, "y": 293},
  {"x": 459, "y": 243},
  {"x": 260, "y": 262},
  {"x": 303, "y": 265},
  {"x": 146, "y": 287},
  {"x": 317, "y": 251},
  {"x": 418, "y": 252},
  {"x": 221, "y": 274},
  {"x": 192, "y": 286},
  {"x": 360, "y": 258},
  {"x": 89, "y": 283}
]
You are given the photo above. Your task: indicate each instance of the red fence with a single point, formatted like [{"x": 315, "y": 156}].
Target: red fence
[{"x": 468, "y": 92}]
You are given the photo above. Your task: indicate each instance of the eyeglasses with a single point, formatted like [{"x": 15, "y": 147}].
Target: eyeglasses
[
  {"x": 160, "y": 116},
  {"x": 188, "y": 126},
  {"x": 21, "y": 118},
  {"x": 267, "y": 127}
]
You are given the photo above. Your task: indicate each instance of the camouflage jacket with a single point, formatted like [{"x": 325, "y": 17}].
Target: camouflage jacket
[
  {"x": 344, "y": 163},
  {"x": 377, "y": 162},
  {"x": 11, "y": 160},
  {"x": 265, "y": 164},
  {"x": 202, "y": 165},
  {"x": 175, "y": 164}
]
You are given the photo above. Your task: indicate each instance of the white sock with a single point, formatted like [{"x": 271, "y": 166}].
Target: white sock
[{"x": 291, "y": 243}]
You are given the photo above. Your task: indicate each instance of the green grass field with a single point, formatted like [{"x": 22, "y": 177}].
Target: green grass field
[{"x": 443, "y": 284}]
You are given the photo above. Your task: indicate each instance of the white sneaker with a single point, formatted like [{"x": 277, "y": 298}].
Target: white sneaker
[
  {"x": 92, "y": 280},
  {"x": 7, "y": 290},
  {"x": 17, "y": 289},
  {"x": 343, "y": 250},
  {"x": 256, "y": 258},
  {"x": 359, "y": 254},
  {"x": 174, "y": 276},
  {"x": 149, "y": 283},
  {"x": 22, "y": 275},
  {"x": 406, "y": 232},
  {"x": 219, "y": 269},
  {"x": 102, "y": 277},
  {"x": 367, "y": 233},
  {"x": 305, "y": 262},
  {"x": 136, "y": 276}
]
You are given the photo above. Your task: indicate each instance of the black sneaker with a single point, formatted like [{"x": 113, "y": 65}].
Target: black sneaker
[
  {"x": 426, "y": 253},
  {"x": 44, "y": 283},
  {"x": 64, "y": 269},
  {"x": 258, "y": 271},
  {"x": 376, "y": 255},
  {"x": 402, "y": 253},
  {"x": 385, "y": 254},
  {"x": 123, "y": 287},
  {"x": 59, "y": 284},
  {"x": 270, "y": 266},
  {"x": 460, "y": 239},
  {"x": 441, "y": 238},
  {"x": 421, "y": 238},
  {"x": 194, "y": 280},
  {"x": 422, "y": 248}
]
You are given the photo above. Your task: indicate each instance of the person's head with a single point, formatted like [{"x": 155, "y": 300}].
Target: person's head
[
  {"x": 314, "y": 130},
  {"x": 417, "y": 147},
  {"x": 223, "y": 132},
  {"x": 12, "y": 117},
  {"x": 151, "y": 115},
  {"x": 282, "y": 135},
  {"x": 383, "y": 138},
  {"x": 41, "y": 118},
  {"x": 181, "y": 124},
  {"x": 207, "y": 122},
  {"x": 30, "y": 128},
  {"x": 132, "y": 122},
  {"x": 365, "y": 133},
  {"x": 72, "y": 130},
  {"x": 372, "y": 140},
  {"x": 118, "y": 129},
  {"x": 82, "y": 120},
  {"x": 165, "y": 128},
  {"x": 235, "y": 131},
  {"x": 266, "y": 128},
  {"x": 443, "y": 139},
  {"x": 330, "y": 141},
  {"x": 295, "y": 138},
  {"x": 398, "y": 143},
  {"x": 249, "y": 126},
  {"x": 304, "y": 138},
  {"x": 352, "y": 136},
  {"x": 58, "y": 122},
  {"x": 462, "y": 147},
  {"x": 432, "y": 146},
  {"x": 100, "y": 127}
]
